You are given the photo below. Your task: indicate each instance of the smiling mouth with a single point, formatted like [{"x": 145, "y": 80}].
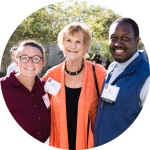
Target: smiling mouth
[
  {"x": 72, "y": 51},
  {"x": 30, "y": 69},
  {"x": 119, "y": 50}
]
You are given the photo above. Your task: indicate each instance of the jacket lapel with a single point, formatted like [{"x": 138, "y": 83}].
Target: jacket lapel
[
  {"x": 63, "y": 119},
  {"x": 80, "y": 144}
]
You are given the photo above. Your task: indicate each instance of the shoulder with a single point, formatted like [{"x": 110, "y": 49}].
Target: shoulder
[
  {"x": 143, "y": 56},
  {"x": 89, "y": 63},
  {"x": 99, "y": 68},
  {"x": 4, "y": 81},
  {"x": 144, "y": 68},
  {"x": 9, "y": 69},
  {"x": 146, "y": 64},
  {"x": 12, "y": 67},
  {"x": 52, "y": 72}
]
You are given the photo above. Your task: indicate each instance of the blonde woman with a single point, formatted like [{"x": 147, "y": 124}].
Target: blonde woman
[{"x": 73, "y": 109}]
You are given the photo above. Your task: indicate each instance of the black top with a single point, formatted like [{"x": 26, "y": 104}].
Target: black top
[{"x": 72, "y": 97}]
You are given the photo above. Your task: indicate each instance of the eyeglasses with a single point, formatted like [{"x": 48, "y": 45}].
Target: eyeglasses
[{"x": 35, "y": 59}]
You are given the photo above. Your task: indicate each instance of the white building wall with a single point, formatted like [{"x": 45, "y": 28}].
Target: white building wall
[{"x": 54, "y": 59}]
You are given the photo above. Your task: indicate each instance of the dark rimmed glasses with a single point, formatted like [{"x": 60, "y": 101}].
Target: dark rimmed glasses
[{"x": 35, "y": 59}]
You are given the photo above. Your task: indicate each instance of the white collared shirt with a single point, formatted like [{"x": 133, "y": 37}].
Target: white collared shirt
[
  {"x": 11, "y": 67},
  {"x": 120, "y": 67}
]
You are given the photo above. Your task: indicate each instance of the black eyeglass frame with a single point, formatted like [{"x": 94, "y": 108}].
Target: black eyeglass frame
[{"x": 31, "y": 59}]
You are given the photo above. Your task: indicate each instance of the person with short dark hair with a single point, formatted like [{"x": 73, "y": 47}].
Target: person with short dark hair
[
  {"x": 134, "y": 25},
  {"x": 97, "y": 59},
  {"x": 126, "y": 83},
  {"x": 23, "y": 91}
]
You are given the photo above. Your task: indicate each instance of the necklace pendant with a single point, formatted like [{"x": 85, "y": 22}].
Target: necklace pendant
[{"x": 76, "y": 73}]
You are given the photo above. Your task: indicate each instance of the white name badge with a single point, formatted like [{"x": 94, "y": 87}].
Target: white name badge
[
  {"x": 46, "y": 100},
  {"x": 52, "y": 86},
  {"x": 110, "y": 93}
]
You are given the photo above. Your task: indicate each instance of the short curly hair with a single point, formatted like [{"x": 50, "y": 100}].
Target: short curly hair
[
  {"x": 130, "y": 21},
  {"x": 73, "y": 28}
]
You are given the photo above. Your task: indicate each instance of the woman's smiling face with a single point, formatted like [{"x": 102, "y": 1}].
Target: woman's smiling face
[
  {"x": 29, "y": 69},
  {"x": 74, "y": 46}
]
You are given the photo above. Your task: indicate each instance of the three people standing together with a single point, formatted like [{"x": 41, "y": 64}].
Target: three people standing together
[{"x": 79, "y": 118}]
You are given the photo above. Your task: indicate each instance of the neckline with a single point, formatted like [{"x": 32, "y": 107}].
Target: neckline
[
  {"x": 74, "y": 73},
  {"x": 73, "y": 88}
]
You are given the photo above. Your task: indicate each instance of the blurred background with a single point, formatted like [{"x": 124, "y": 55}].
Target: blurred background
[{"x": 44, "y": 25}]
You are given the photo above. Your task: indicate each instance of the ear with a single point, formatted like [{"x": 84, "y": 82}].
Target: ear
[
  {"x": 137, "y": 41},
  {"x": 16, "y": 61}
]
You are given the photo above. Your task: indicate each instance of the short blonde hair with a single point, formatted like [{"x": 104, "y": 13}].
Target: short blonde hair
[
  {"x": 73, "y": 28},
  {"x": 30, "y": 43}
]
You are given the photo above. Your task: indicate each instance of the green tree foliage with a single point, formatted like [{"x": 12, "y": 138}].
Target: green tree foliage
[
  {"x": 100, "y": 21},
  {"x": 38, "y": 26},
  {"x": 45, "y": 24}
]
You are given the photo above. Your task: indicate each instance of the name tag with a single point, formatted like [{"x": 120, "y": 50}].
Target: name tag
[
  {"x": 52, "y": 86},
  {"x": 110, "y": 93},
  {"x": 46, "y": 100}
]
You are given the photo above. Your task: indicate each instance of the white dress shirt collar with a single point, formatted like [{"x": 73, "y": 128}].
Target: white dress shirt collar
[
  {"x": 125, "y": 64},
  {"x": 120, "y": 67}
]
